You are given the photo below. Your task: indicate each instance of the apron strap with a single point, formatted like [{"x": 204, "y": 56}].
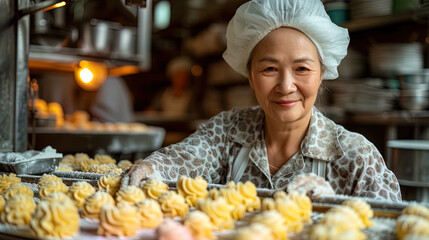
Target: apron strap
[
  {"x": 240, "y": 163},
  {"x": 319, "y": 168}
]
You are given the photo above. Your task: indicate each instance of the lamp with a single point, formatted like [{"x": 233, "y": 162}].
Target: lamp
[{"x": 90, "y": 75}]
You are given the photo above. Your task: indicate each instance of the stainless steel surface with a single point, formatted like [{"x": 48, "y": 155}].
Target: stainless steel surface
[
  {"x": 14, "y": 34},
  {"x": 73, "y": 141},
  {"x": 410, "y": 159},
  {"x": 37, "y": 166},
  {"x": 125, "y": 41},
  {"x": 144, "y": 36},
  {"x": 414, "y": 99}
]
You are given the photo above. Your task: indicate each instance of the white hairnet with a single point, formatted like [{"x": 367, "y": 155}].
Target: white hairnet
[{"x": 255, "y": 19}]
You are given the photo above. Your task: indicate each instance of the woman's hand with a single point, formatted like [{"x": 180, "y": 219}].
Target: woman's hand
[
  {"x": 311, "y": 184},
  {"x": 136, "y": 174}
]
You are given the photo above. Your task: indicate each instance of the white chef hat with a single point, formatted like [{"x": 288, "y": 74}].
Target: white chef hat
[{"x": 255, "y": 19}]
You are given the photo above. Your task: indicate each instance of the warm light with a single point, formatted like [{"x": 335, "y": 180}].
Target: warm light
[
  {"x": 90, "y": 75},
  {"x": 57, "y": 5},
  {"x": 86, "y": 75}
]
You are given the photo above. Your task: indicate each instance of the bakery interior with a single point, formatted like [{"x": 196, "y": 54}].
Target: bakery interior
[{"x": 90, "y": 76}]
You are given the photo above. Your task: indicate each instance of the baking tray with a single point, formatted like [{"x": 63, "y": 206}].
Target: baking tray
[
  {"x": 32, "y": 166},
  {"x": 72, "y": 141}
]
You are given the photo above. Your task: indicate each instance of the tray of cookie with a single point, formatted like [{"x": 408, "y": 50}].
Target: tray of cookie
[{"x": 190, "y": 208}]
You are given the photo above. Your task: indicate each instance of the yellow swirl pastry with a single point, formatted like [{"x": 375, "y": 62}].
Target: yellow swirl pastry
[
  {"x": 65, "y": 167},
  {"x": 114, "y": 171},
  {"x": 104, "y": 169},
  {"x": 328, "y": 232},
  {"x": 2, "y": 204},
  {"x": 219, "y": 212},
  {"x": 290, "y": 211},
  {"x": 109, "y": 183},
  {"x": 48, "y": 178},
  {"x": 363, "y": 209},
  {"x": 54, "y": 219},
  {"x": 304, "y": 204},
  {"x": 18, "y": 210},
  {"x": 250, "y": 197},
  {"x": 234, "y": 198},
  {"x": 7, "y": 180},
  {"x": 124, "y": 164},
  {"x": 274, "y": 221},
  {"x": 199, "y": 224},
  {"x": 78, "y": 159},
  {"x": 86, "y": 163},
  {"x": 154, "y": 187},
  {"x": 150, "y": 212},
  {"x": 18, "y": 188},
  {"x": 213, "y": 194},
  {"x": 411, "y": 225},
  {"x": 238, "y": 212},
  {"x": 231, "y": 184},
  {"x": 172, "y": 204},
  {"x": 120, "y": 221},
  {"x": 59, "y": 197},
  {"x": 67, "y": 159},
  {"x": 280, "y": 194},
  {"x": 418, "y": 210},
  {"x": 268, "y": 204},
  {"x": 79, "y": 191},
  {"x": 93, "y": 204},
  {"x": 346, "y": 212},
  {"x": 51, "y": 187},
  {"x": 131, "y": 194},
  {"x": 192, "y": 189},
  {"x": 104, "y": 159},
  {"x": 254, "y": 231}
]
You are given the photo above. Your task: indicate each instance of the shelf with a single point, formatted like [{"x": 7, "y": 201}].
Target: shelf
[
  {"x": 381, "y": 21},
  {"x": 64, "y": 59}
]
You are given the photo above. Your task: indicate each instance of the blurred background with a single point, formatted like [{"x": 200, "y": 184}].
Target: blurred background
[{"x": 120, "y": 66}]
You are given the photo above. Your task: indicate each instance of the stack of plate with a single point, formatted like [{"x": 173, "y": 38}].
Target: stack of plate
[
  {"x": 362, "y": 95},
  {"x": 369, "y": 8},
  {"x": 390, "y": 60}
]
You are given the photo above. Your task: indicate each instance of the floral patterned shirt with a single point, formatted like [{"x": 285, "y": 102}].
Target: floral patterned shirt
[{"x": 354, "y": 165}]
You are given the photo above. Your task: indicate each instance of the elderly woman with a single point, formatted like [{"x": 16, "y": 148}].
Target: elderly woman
[{"x": 285, "y": 48}]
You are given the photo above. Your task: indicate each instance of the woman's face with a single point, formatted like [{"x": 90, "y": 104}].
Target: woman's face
[{"x": 285, "y": 74}]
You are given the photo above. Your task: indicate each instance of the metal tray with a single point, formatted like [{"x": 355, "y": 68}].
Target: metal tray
[{"x": 35, "y": 166}]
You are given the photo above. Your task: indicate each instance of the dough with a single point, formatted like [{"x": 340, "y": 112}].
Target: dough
[
  {"x": 79, "y": 191},
  {"x": 192, "y": 189},
  {"x": 124, "y": 164},
  {"x": 18, "y": 188},
  {"x": 304, "y": 204},
  {"x": 411, "y": 225},
  {"x": 249, "y": 194},
  {"x": 254, "y": 231},
  {"x": 311, "y": 185},
  {"x": 329, "y": 232},
  {"x": 131, "y": 194},
  {"x": 199, "y": 224},
  {"x": 274, "y": 221},
  {"x": 171, "y": 230},
  {"x": 65, "y": 167},
  {"x": 105, "y": 169},
  {"x": 172, "y": 204},
  {"x": 55, "y": 219},
  {"x": 93, "y": 204},
  {"x": 18, "y": 210},
  {"x": 219, "y": 212},
  {"x": 234, "y": 198},
  {"x": 291, "y": 212},
  {"x": 154, "y": 187},
  {"x": 418, "y": 210},
  {"x": 51, "y": 187},
  {"x": 104, "y": 159},
  {"x": 280, "y": 195},
  {"x": 48, "y": 178},
  {"x": 86, "y": 163},
  {"x": 120, "y": 221},
  {"x": 59, "y": 197},
  {"x": 363, "y": 209},
  {"x": 68, "y": 159},
  {"x": 343, "y": 212},
  {"x": 150, "y": 212},
  {"x": 7, "y": 180},
  {"x": 268, "y": 204},
  {"x": 109, "y": 183},
  {"x": 2, "y": 204}
]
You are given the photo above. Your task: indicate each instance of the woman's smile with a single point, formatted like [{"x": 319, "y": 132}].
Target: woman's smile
[{"x": 286, "y": 103}]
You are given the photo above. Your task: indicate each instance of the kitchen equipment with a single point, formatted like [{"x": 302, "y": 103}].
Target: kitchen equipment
[
  {"x": 30, "y": 162},
  {"x": 409, "y": 160},
  {"x": 414, "y": 99},
  {"x": 125, "y": 42}
]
